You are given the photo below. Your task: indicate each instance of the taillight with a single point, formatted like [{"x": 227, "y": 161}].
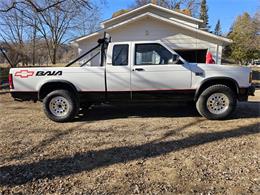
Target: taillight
[{"x": 11, "y": 83}]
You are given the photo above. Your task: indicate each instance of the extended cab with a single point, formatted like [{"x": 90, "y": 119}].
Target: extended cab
[{"x": 133, "y": 72}]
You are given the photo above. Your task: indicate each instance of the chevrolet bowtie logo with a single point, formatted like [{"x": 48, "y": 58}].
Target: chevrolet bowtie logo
[{"x": 24, "y": 74}]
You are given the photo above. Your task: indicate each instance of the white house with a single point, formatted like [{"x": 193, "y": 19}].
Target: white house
[{"x": 152, "y": 22}]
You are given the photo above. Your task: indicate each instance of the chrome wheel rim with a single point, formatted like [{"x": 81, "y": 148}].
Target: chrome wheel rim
[
  {"x": 218, "y": 103},
  {"x": 59, "y": 106}
]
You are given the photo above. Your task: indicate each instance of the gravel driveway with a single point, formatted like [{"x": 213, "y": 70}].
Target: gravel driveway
[{"x": 141, "y": 149}]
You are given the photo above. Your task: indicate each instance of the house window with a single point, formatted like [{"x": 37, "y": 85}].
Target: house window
[
  {"x": 120, "y": 55},
  {"x": 152, "y": 54}
]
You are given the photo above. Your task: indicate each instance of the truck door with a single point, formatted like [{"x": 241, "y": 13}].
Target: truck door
[
  {"x": 118, "y": 72},
  {"x": 157, "y": 73}
]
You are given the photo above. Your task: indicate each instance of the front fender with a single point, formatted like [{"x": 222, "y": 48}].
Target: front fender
[{"x": 214, "y": 81}]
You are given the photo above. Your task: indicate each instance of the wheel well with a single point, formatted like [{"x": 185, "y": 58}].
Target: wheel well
[
  {"x": 232, "y": 84},
  {"x": 52, "y": 86}
]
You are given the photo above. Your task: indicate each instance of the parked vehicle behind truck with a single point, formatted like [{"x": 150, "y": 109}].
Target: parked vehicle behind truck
[{"x": 133, "y": 72}]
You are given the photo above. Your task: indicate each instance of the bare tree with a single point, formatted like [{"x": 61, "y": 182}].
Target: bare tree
[
  {"x": 37, "y": 5},
  {"x": 57, "y": 22},
  {"x": 25, "y": 23},
  {"x": 13, "y": 32},
  {"x": 88, "y": 21},
  {"x": 33, "y": 40}
]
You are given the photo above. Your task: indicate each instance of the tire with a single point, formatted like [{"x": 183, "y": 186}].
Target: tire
[
  {"x": 60, "y": 106},
  {"x": 216, "y": 102}
]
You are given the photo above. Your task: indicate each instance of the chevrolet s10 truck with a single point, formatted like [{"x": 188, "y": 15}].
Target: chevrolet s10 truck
[{"x": 133, "y": 72}]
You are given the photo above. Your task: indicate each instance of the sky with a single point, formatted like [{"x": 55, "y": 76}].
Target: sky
[{"x": 224, "y": 10}]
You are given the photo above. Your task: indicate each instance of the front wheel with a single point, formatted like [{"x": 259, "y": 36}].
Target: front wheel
[
  {"x": 216, "y": 102},
  {"x": 60, "y": 106}
]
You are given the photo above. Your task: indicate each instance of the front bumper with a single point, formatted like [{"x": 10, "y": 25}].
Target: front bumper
[
  {"x": 251, "y": 91},
  {"x": 245, "y": 92}
]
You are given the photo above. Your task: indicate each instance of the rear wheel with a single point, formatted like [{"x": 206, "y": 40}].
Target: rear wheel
[
  {"x": 216, "y": 102},
  {"x": 60, "y": 106}
]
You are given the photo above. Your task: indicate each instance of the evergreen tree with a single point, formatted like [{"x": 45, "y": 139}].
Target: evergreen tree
[
  {"x": 177, "y": 6},
  {"x": 204, "y": 15},
  {"x": 245, "y": 46},
  {"x": 217, "y": 30}
]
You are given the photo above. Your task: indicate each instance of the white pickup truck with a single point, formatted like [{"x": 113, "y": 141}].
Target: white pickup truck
[{"x": 133, "y": 72}]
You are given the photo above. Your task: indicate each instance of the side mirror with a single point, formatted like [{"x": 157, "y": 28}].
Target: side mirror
[{"x": 175, "y": 58}]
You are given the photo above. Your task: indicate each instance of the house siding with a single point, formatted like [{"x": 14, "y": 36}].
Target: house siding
[
  {"x": 149, "y": 29},
  {"x": 156, "y": 11}
]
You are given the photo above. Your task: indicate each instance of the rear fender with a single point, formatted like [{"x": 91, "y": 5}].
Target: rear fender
[{"x": 50, "y": 86}]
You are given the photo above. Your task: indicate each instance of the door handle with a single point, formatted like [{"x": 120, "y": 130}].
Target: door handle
[{"x": 138, "y": 69}]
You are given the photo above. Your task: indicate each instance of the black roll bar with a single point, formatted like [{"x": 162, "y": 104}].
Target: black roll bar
[
  {"x": 90, "y": 59},
  {"x": 103, "y": 43}
]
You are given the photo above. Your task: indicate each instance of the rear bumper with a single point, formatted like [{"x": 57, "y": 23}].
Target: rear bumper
[
  {"x": 25, "y": 96},
  {"x": 245, "y": 92}
]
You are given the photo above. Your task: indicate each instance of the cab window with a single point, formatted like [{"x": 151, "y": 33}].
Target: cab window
[
  {"x": 153, "y": 54},
  {"x": 120, "y": 55}
]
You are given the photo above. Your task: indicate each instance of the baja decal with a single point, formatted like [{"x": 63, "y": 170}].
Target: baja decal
[
  {"x": 49, "y": 73},
  {"x": 24, "y": 74}
]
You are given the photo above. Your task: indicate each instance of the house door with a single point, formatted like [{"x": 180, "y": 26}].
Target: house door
[{"x": 157, "y": 73}]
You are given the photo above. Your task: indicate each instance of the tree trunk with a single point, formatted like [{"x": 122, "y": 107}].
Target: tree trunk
[
  {"x": 34, "y": 46},
  {"x": 54, "y": 56}
]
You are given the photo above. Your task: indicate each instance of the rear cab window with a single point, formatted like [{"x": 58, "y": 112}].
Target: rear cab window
[{"x": 120, "y": 55}]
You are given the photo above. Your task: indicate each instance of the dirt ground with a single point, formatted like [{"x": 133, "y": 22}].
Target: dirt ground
[{"x": 142, "y": 149}]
